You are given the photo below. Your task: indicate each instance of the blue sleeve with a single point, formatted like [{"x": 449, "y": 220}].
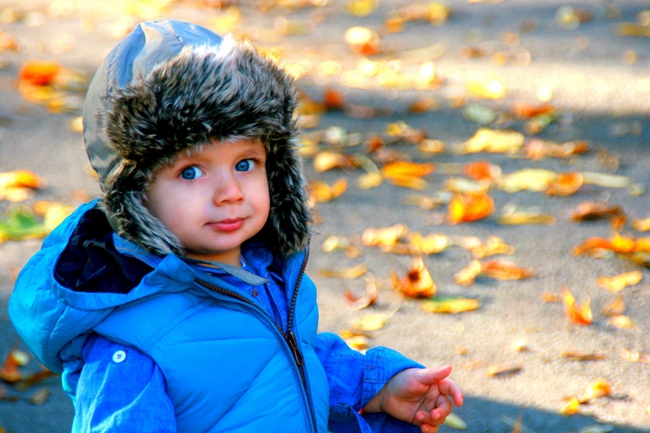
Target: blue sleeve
[
  {"x": 121, "y": 389},
  {"x": 355, "y": 378}
]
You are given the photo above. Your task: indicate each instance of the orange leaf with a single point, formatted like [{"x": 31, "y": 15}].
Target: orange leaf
[
  {"x": 20, "y": 179},
  {"x": 10, "y": 371},
  {"x": 580, "y": 315},
  {"x": 621, "y": 321},
  {"x": 469, "y": 207},
  {"x": 571, "y": 407},
  {"x": 566, "y": 184},
  {"x": 328, "y": 160},
  {"x": 504, "y": 270},
  {"x": 333, "y": 99},
  {"x": 481, "y": 170},
  {"x": 407, "y": 169},
  {"x": 493, "y": 245},
  {"x": 467, "y": 275},
  {"x": 616, "y": 307},
  {"x": 596, "y": 389},
  {"x": 592, "y": 245},
  {"x": 38, "y": 73},
  {"x": 525, "y": 111},
  {"x": 362, "y": 40},
  {"x": 417, "y": 283},
  {"x": 320, "y": 192}
]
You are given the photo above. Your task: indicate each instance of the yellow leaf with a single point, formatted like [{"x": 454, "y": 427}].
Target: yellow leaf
[
  {"x": 596, "y": 389},
  {"x": 383, "y": 237},
  {"x": 346, "y": 273},
  {"x": 620, "y": 321},
  {"x": 375, "y": 321},
  {"x": 504, "y": 270},
  {"x": 361, "y": 8},
  {"x": 328, "y": 160},
  {"x": 487, "y": 89},
  {"x": 450, "y": 305},
  {"x": 580, "y": 315},
  {"x": 467, "y": 275},
  {"x": 512, "y": 216},
  {"x": 494, "y": 245},
  {"x": 606, "y": 180},
  {"x": 431, "y": 244},
  {"x": 504, "y": 369},
  {"x": 642, "y": 225},
  {"x": 406, "y": 168},
  {"x": 465, "y": 186},
  {"x": 494, "y": 141},
  {"x": 531, "y": 179},
  {"x": 370, "y": 180},
  {"x": 617, "y": 283},
  {"x": 362, "y": 40},
  {"x": 411, "y": 182},
  {"x": 571, "y": 407}
]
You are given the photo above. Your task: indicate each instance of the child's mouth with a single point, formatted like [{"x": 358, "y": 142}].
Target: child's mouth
[{"x": 229, "y": 225}]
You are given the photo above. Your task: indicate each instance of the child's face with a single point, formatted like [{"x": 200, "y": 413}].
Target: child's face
[{"x": 214, "y": 200}]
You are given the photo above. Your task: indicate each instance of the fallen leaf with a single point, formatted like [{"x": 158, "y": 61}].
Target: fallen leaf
[
  {"x": 362, "y": 40},
  {"x": 33, "y": 379},
  {"x": 374, "y": 321},
  {"x": 436, "y": 13},
  {"x": 469, "y": 207},
  {"x": 430, "y": 244},
  {"x": 431, "y": 146},
  {"x": 480, "y": 114},
  {"x": 551, "y": 297},
  {"x": 429, "y": 202},
  {"x": 632, "y": 29},
  {"x": 509, "y": 215},
  {"x": 40, "y": 396},
  {"x": 494, "y": 141},
  {"x": 455, "y": 422},
  {"x": 383, "y": 237},
  {"x": 580, "y": 315},
  {"x": 606, "y": 180},
  {"x": 361, "y": 8},
  {"x": 502, "y": 370},
  {"x": 571, "y": 407},
  {"x": 450, "y": 305},
  {"x": 328, "y": 160},
  {"x": 345, "y": 273},
  {"x": 406, "y": 168},
  {"x": 596, "y": 389},
  {"x": 483, "y": 170},
  {"x": 531, "y": 179},
  {"x": 493, "y": 245},
  {"x": 334, "y": 242},
  {"x": 468, "y": 274},
  {"x": 616, "y": 307},
  {"x": 537, "y": 149},
  {"x": 617, "y": 283},
  {"x": 589, "y": 211},
  {"x": 38, "y": 73},
  {"x": 487, "y": 89},
  {"x": 10, "y": 371},
  {"x": 524, "y": 110},
  {"x": 359, "y": 303},
  {"x": 583, "y": 356},
  {"x": 565, "y": 184},
  {"x": 417, "y": 283},
  {"x": 505, "y": 270},
  {"x": 461, "y": 185},
  {"x": 321, "y": 192},
  {"x": 621, "y": 321},
  {"x": 641, "y": 225}
]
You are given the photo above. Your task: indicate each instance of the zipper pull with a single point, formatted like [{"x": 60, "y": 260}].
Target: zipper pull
[{"x": 293, "y": 343}]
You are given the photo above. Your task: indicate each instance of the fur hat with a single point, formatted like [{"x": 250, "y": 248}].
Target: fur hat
[{"x": 171, "y": 86}]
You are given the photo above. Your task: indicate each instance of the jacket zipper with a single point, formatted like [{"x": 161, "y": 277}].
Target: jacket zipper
[{"x": 289, "y": 336}]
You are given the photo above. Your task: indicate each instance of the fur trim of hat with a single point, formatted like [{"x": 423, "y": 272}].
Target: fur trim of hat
[{"x": 202, "y": 94}]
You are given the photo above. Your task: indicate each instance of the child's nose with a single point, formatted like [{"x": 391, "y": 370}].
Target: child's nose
[{"x": 228, "y": 190}]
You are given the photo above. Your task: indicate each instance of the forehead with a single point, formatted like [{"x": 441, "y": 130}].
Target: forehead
[{"x": 244, "y": 145}]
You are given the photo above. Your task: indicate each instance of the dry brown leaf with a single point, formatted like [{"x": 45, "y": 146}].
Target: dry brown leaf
[
  {"x": 565, "y": 184},
  {"x": 589, "y": 210},
  {"x": 417, "y": 283},
  {"x": 494, "y": 141},
  {"x": 505, "y": 270},
  {"x": 469, "y": 207},
  {"x": 502, "y": 370},
  {"x": 383, "y": 237},
  {"x": 40, "y": 396},
  {"x": 618, "y": 282},
  {"x": 578, "y": 314},
  {"x": 583, "y": 356},
  {"x": 523, "y": 110}
]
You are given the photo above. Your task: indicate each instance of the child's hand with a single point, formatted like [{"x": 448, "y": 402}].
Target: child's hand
[{"x": 418, "y": 396}]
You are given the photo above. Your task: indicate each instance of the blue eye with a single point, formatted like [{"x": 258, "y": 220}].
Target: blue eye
[
  {"x": 245, "y": 165},
  {"x": 191, "y": 173}
]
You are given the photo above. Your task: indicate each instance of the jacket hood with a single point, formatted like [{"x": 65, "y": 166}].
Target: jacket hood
[{"x": 171, "y": 86}]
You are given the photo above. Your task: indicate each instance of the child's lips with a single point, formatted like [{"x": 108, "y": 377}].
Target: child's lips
[{"x": 229, "y": 225}]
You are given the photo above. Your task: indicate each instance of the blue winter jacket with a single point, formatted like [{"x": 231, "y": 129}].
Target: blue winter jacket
[{"x": 221, "y": 355}]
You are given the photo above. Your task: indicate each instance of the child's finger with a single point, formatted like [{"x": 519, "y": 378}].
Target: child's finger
[
  {"x": 436, "y": 416},
  {"x": 450, "y": 388},
  {"x": 430, "y": 375}
]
